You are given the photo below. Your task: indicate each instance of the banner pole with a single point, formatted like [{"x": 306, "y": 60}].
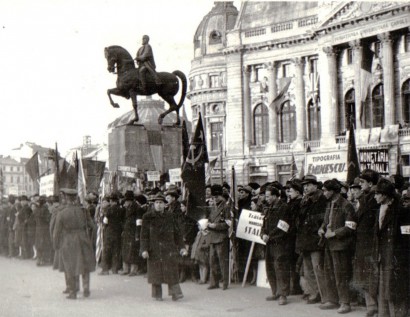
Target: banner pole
[{"x": 248, "y": 264}]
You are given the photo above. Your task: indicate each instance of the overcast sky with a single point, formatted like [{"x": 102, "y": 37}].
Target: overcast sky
[{"x": 53, "y": 73}]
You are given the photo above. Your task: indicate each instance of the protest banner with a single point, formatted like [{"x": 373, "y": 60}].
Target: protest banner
[
  {"x": 153, "y": 176},
  {"x": 375, "y": 159},
  {"x": 174, "y": 175},
  {"x": 249, "y": 226},
  {"x": 47, "y": 185},
  {"x": 327, "y": 165}
]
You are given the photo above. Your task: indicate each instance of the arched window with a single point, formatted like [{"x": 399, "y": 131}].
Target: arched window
[
  {"x": 350, "y": 109},
  {"x": 261, "y": 125},
  {"x": 378, "y": 106},
  {"x": 314, "y": 119},
  {"x": 405, "y": 92},
  {"x": 287, "y": 122}
]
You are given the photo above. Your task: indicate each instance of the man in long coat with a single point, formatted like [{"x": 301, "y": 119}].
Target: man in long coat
[
  {"x": 391, "y": 233},
  {"x": 43, "y": 241},
  {"x": 70, "y": 237},
  {"x": 363, "y": 264},
  {"x": 161, "y": 240}
]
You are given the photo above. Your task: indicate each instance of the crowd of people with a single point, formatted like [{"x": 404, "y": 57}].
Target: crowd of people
[{"x": 330, "y": 242}]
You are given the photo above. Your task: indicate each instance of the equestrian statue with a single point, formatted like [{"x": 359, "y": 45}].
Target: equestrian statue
[{"x": 143, "y": 80}]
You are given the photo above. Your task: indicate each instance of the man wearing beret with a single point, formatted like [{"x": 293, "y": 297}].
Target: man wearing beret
[
  {"x": 391, "y": 251},
  {"x": 218, "y": 226},
  {"x": 338, "y": 231},
  {"x": 71, "y": 239},
  {"x": 308, "y": 222},
  {"x": 276, "y": 234},
  {"x": 363, "y": 263},
  {"x": 161, "y": 240}
]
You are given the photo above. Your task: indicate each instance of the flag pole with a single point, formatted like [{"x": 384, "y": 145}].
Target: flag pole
[{"x": 221, "y": 154}]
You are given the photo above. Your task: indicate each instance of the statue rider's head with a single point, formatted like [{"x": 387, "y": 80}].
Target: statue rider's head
[{"x": 145, "y": 39}]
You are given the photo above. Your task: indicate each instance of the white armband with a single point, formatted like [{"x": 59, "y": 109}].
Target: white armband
[
  {"x": 105, "y": 220},
  {"x": 351, "y": 224},
  {"x": 228, "y": 222},
  {"x": 139, "y": 222},
  {"x": 282, "y": 225},
  {"x": 405, "y": 229}
]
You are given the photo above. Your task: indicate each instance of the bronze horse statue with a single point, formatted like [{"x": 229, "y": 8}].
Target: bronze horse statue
[{"x": 128, "y": 82}]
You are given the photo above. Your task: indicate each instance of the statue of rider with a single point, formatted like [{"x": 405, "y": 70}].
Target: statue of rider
[{"x": 145, "y": 61}]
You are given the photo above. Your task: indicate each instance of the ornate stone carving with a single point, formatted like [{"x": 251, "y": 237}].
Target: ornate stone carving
[{"x": 330, "y": 50}]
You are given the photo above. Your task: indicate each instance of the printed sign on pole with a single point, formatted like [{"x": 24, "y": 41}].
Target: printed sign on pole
[
  {"x": 47, "y": 185},
  {"x": 153, "y": 176},
  {"x": 250, "y": 225},
  {"x": 175, "y": 175}
]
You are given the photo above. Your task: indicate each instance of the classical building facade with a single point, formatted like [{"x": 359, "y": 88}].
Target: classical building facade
[{"x": 281, "y": 80}]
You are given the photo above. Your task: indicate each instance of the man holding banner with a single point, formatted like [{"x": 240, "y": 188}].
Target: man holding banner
[{"x": 275, "y": 233}]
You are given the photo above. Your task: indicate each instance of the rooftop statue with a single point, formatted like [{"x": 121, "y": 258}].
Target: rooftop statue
[{"x": 143, "y": 80}]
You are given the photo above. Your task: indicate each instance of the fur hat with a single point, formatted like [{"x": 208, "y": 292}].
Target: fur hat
[
  {"x": 332, "y": 184},
  {"x": 216, "y": 190},
  {"x": 370, "y": 176},
  {"x": 385, "y": 187}
]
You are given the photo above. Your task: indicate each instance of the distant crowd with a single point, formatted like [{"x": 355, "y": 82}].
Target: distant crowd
[{"x": 330, "y": 242}]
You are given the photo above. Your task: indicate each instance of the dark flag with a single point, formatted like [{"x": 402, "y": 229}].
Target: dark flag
[
  {"x": 185, "y": 142},
  {"x": 32, "y": 167},
  {"x": 94, "y": 172},
  {"x": 193, "y": 172},
  {"x": 399, "y": 167},
  {"x": 281, "y": 96},
  {"x": 353, "y": 166},
  {"x": 365, "y": 77}
]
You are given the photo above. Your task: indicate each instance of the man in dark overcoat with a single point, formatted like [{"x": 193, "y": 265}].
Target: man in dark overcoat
[
  {"x": 275, "y": 233},
  {"x": 218, "y": 226},
  {"x": 42, "y": 217},
  {"x": 113, "y": 224},
  {"x": 363, "y": 263},
  {"x": 129, "y": 244},
  {"x": 308, "y": 222},
  {"x": 71, "y": 238},
  {"x": 161, "y": 242},
  {"x": 338, "y": 230},
  {"x": 391, "y": 233}
]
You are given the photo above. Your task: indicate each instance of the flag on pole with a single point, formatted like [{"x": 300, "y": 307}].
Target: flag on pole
[
  {"x": 293, "y": 168},
  {"x": 56, "y": 172},
  {"x": 185, "y": 142},
  {"x": 353, "y": 166},
  {"x": 399, "y": 168},
  {"x": 281, "y": 96},
  {"x": 365, "y": 77},
  {"x": 209, "y": 170},
  {"x": 33, "y": 168},
  {"x": 193, "y": 172},
  {"x": 81, "y": 183}
]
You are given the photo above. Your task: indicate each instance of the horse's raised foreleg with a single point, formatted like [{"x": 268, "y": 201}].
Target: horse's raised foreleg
[
  {"x": 114, "y": 91},
  {"x": 133, "y": 95}
]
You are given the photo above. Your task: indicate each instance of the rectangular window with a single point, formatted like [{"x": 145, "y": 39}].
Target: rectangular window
[
  {"x": 377, "y": 49},
  {"x": 286, "y": 70},
  {"x": 216, "y": 135},
  {"x": 11, "y": 168},
  {"x": 213, "y": 81},
  {"x": 407, "y": 43},
  {"x": 349, "y": 56}
]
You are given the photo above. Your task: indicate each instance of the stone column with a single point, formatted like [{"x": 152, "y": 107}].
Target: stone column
[
  {"x": 357, "y": 60},
  {"x": 247, "y": 109},
  {"x": 329, "y": 111},
  {"x": 300, "y": 104},
  {"x": 388, "y": 80},
  {"x": 273, "y": 91}
]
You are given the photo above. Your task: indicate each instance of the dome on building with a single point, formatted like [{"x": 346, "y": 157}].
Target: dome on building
[
  {"x": 148, "y": 111},
  {"x": 210, "y": 36}
]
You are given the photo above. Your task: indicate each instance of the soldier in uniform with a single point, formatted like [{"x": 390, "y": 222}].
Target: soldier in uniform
[
  {"x": 218, "y": 226},
  {"x": 71, "y": 238},
  {"x": 146, "y": 62},
  {"x": 161, "y": 240}
]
